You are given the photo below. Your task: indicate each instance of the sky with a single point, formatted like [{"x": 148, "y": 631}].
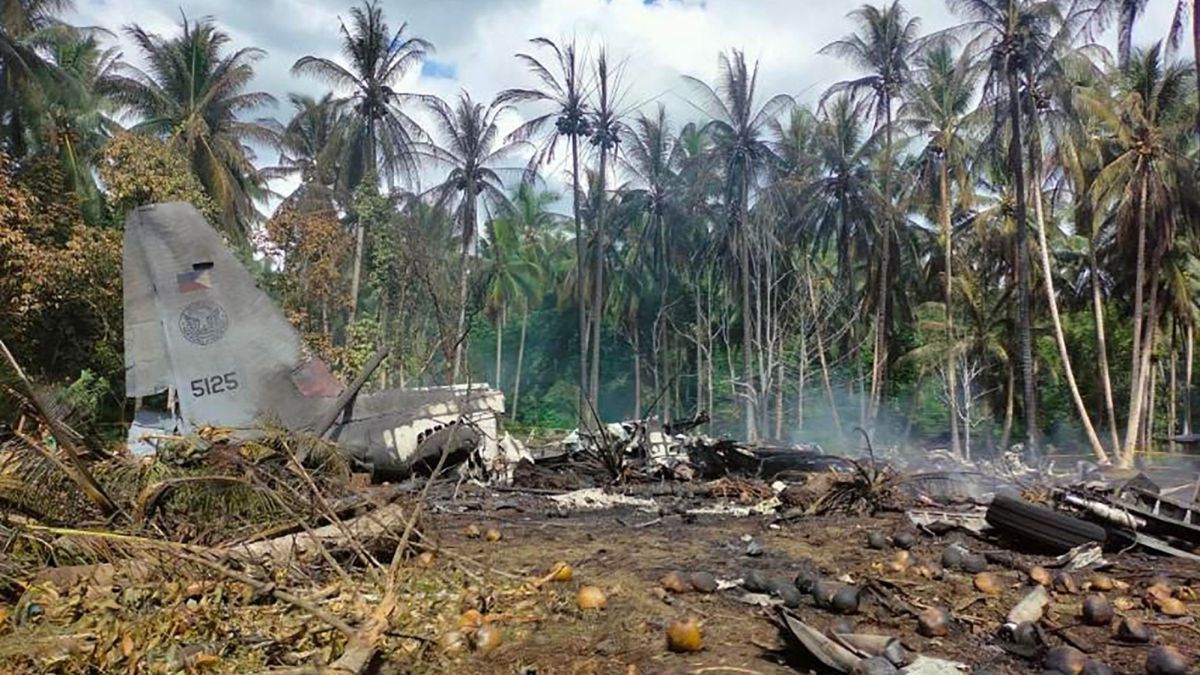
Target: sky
[{"x": 657, "y": 41}]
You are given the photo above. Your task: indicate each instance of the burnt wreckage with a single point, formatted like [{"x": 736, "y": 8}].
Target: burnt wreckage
[{"x": 198, "y": 328}]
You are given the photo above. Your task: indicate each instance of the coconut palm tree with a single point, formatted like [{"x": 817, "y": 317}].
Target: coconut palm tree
[
  {"x": 25, "y": 26},
  {"x": 309, "y": 147},
  {"x": 1144, "y": 182},
  {"x": 938, "y": 108},
  {"x": 564, "y": 90},
  {"x": 194, "y": 93},
  {"x": 470, "y": 145},
  {"x": 1007, "y": 35},
  {"x": 883, "y": 47},
  {"x": 739, "y": 130},
  {"x": 379, "y": 136}
]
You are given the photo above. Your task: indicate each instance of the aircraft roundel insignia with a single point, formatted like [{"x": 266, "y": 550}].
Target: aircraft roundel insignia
[{"x": 203, "y": 322}]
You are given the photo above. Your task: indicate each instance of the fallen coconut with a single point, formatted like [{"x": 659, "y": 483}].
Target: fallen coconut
[
  {"x": 591, "y": 597},
  {"x": 845, "y": 601},
  {"x": 1065, "y": 583},
  {"x": 1134, "y": 631},
  {"x": 952, "y": 557},
  {"x": 1026, "y": 634},
  {"x": 988, "y": 583},
  {"x": 704, "y": 582},
  {"x": 1041, "y": 576},
  {"x": 823, "y": 592},
  {"x": 675, "y": 582},
  {"x": 493, "y": 535},
  {"x": 1097, "y": 611},
  {"x": 472, "y": 531},
  {"x": 806, "y": 576},
  {"x": 1101, "y": 582},
  {"x": 1064, "y": 659},
  {"x": 755, "y": 581},
  {"x": 561, "y": 571},
  {"x": 683, "y": 635},
  {"x": 900, "y": 562},
  {"x": 974, "y": 563},
  {"x": 486, "y": 638},
  {"x": 1164, "y": 660},
  {"x": 786, "y": 592},
  {"x": 876, "y": 540},
  {"x": 904, "y": 540},
  {"x": 1172, "y": 607},
  {"x": 933, "y": 622}
]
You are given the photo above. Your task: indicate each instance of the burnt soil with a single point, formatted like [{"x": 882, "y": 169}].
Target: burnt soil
[{"x": 626, "y": 552}]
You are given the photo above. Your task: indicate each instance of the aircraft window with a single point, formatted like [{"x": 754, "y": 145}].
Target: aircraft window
[{"x": 207, "y": 265}]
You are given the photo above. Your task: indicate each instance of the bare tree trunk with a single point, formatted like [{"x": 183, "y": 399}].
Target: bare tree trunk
[
  {"x": 1052, "y": 302},
  {"x": 879, "y": 354},
  {"x": 520, "y": 362},
  {"x": 948, "y": 291},
  {"x": 1009, "y": 396},
  {"x": 356, "y": 274},
  {"x": 598, "y": 281},
  {"x": 779, "y": 404},
  {"x": 637, "y": 374},
  {"x": 1021, "y": 262},
  {"x": 800, "y": 383},
  {"x": 1188, "y": 358},
  {"x": 468, "y": 232},
  {"x": 750, "y": 391},
  {"x": 579, "y": 282},
  {"x": 1102, "y": 344},
  {"x": 499, "y": 348},
  {"x": 812, "y": 299},
  {"x": 1135, "y": 390},
  {"x": 1172, "y": 403}
]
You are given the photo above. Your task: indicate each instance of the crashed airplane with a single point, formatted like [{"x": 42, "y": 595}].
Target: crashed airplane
[{"x": 199, "y": 328}]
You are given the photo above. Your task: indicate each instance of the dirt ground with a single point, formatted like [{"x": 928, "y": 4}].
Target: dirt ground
[{"x": 625, "y": 552}]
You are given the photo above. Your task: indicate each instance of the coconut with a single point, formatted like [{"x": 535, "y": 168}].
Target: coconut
[
  {"x": 755, "y": 581},
  {"x": 988, "y": 583},
  {"x": 845, "y": 601},
  {"x": 933, "y": 622},
  {"x": 1065, "y": 583},
  {"x": 1101, "y": 582},
  {"x": 952, "y": 557},
  {"x": 1163, "y": 660},
  {"x": 1064, "y": 659},
  {"x": 1026, "y": 634},
  {"x": 493, "y": 535},
  {"x": 683, "y": 635},
  {"x": 823, "y": 592},
  {"x": 472, "y": 531},
  {"x": 1097, "y": 611},
  {"x": 1132, "y": 630},
  {"x": 486, "y": 639},
  {"x": 974, "y": 563},
  {"x": 703, "y": 582},
  {"x": 786, "y": 592},
  {"x": 675, "y": 582},
  {"x": 591, "y": 597},
  {"x": 900, "y": 562},
  {"x": 1041, "y": 576},
  {"x": 561, "y": 571},
  {"x": 1172, "y": 607},
  {"x": 876, "y": 540},
  {"x": 807, "y": 574},
  {"x": 904, "y": 540}
]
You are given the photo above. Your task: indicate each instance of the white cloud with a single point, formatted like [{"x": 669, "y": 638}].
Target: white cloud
[{"x": 656, "y": 43}]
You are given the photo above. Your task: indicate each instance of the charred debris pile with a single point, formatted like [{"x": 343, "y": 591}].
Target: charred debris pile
[{"x": 275, "y": 551}]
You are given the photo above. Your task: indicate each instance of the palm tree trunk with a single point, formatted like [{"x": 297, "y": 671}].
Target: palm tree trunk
[
  {"x": 520, "y": 362},
  {"x": 800, "y": 382},
  {"x": 579, "y": 283},
  {"x": 1135, "y": 393},
  {"x": 637, "y": 375},
  {"x": 1141, "y": 384},
  {"x": 750, "y": 392},
  {"x": 356, "y": 274},
  {"x": 1009, "y": 399},
  {"x": 879, "y": 353},
  {"x": 1102, "y": 344},
  {"x": 1172, "y": 403},
  {"x": 1021, "y": 263},
  {"x": 948, "y": 291},
  {"x": 468, "y": 231},
  {"x": 598, "y": 281},
  {"x": 812, "y": 301},
  {"x": 499, "y": 348},
  {"x": 1052, "y": 300},
  {"x": 1187, "y": 380},
  {"x": 1196, "y": 55}
]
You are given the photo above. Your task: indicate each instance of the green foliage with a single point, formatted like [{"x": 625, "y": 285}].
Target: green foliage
[{"x": 139, "y": 170}]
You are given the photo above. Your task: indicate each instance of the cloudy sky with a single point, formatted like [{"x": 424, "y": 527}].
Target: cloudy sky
[{"x": 657, "y": 40}]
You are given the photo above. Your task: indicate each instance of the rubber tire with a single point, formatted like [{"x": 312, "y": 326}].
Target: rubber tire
[{"x": 1041, "y": 526}]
